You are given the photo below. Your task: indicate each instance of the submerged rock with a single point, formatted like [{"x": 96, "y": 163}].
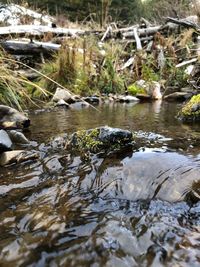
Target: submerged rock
[
  {"x": 12, "y": 118},
  {"x": 100, "y": 139},
  {"x": 17, "y": 156},
  {"x": 5, "y": 142},
  {"x": 177, "y": 96},
  {"x": 147, "y": 175},
  {"x": 18, "y": 137},
  {"x": 191, "y": 111}
]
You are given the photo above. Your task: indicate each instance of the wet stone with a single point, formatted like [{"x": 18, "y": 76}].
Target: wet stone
[
  {"x": 92, "y": 99},
  {"x": 62, "y": 94},
  {"x": 18, "y": 137},
  {"x": 100, "y": 139},
  {"x": 156, "y": 251},
  {"x": 128, "y": 99},
  {"x": 12, "y": 118},
  {"x": 177, "y": 96},
  {"x": 53, "y": 165},
  {"x": 17, "y": 156},
  {"x": 62, "y": 103},
  {"x": 5, "y": 142}
]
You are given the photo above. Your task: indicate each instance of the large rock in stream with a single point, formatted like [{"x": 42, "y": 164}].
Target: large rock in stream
[
  {"x": 12, "y": 118},
  {"x": 102, "y": 139},
  {"x": 191, "y": 110},
  {"x": 17, "y": 156}
]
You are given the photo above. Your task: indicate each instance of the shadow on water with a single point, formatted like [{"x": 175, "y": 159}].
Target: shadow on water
[{"x": 139, "y": 208}]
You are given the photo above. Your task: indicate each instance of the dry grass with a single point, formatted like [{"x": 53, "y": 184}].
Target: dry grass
[{"x": 14, "y": 88}]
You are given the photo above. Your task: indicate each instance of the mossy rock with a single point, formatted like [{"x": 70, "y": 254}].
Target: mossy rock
[
  {"x": 103, "y": 139},
  {"x": 191, "y": 111},
  {"x": 134, "y": 89}
]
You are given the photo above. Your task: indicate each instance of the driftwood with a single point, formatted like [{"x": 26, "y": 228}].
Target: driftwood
[
  {"x": 185, "y": 23},
  {"x": 37, "y": 30},
  {"x": 107, "y": 32},
  {"x": 142, "y": 39},
  {"x": 27, "y": 47},
  {"x": 137, "y": 39},
  {"x": 129, "y": 32},
  {"x": 143, "y": 32},
  {"x": 128, "y": 63},
  {"x": 187, "y": 62}
]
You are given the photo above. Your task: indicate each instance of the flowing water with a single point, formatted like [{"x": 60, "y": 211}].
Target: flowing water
[{"x": 136, "y": 208}]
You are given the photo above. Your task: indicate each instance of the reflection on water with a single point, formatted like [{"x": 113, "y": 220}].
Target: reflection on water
[
  {"x": 139, "y": 208},
  {"x": 158, "y": 117}
]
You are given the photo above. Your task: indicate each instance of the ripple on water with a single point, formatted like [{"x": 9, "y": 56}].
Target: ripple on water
[
  {"x": 121, "y": 210},
  {"x": 92, "y": 213}
]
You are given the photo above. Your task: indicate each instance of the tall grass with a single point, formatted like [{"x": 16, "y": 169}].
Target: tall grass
[
  {"x": 83, "y": 69},
  {"x": 62, "y": 69},
  {"x": 13, "y": 87}
]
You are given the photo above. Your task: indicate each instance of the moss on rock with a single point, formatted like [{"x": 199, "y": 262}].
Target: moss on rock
[
  {"x": 87, "y": 140},
  {"x": 101, "y": 139},
  {"x": 134, "y": 89},
  {"x": 191, "y": 111}
]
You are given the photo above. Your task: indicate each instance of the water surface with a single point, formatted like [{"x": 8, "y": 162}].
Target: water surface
[{"x": 137, "y": 208}]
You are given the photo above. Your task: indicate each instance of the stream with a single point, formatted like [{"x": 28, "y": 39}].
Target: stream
[{"x": 139, "y": 207}]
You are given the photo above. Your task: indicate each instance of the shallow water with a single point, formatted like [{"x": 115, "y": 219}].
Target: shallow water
[{"x": 136, "y": 208}]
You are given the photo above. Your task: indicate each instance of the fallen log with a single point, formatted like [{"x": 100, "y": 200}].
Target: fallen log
[
  {"x": 127, "y": 29},
  {"x": 27, "y": 47},
  {"x": 185, "y": 23},
  {"x": 143, "y": 32},
  {"x": 38, "y": 30},
  {"x": 142, "y": 39}
]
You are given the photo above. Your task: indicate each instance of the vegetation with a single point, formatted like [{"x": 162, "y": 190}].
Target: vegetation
[
  {"x": 13, "y": 87},
  {"x": 88, "y": 67},
  {"x": 85, "y": 71}
]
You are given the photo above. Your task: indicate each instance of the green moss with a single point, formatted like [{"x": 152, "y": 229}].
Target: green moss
[
  {"x": 188, "y": 111},
  {"x": 135, "y": 89},
  {"x": 88, "y": 141}
]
